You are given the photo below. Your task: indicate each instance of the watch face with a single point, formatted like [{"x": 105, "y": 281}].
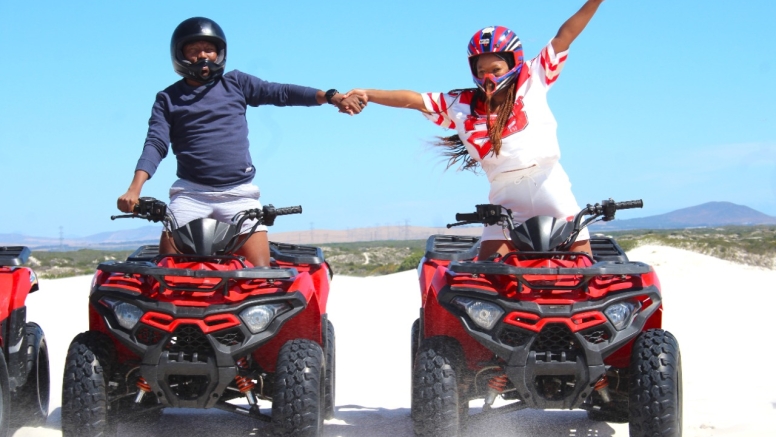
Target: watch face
[{"x": 330, "y": 93}]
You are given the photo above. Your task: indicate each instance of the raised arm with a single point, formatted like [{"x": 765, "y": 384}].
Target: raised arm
[
  {"x": 395, "y": 98},
  {"x": 571, "y": 29}
]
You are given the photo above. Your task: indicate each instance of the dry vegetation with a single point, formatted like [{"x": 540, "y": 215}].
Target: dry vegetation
[{"x": 752, "y": 245}]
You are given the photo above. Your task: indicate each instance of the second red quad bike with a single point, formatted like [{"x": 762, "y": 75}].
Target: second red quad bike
[
  {"x": 201, "y": 327},
  {"x": 542, "y": 327},
  {"x": 24, "y": 361}
]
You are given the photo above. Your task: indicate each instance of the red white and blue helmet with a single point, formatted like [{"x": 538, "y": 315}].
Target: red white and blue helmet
[{"x": 502, "y": 42}]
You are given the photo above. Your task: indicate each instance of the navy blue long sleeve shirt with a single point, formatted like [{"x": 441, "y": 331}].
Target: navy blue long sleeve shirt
[{"x": 207, "y": 129}]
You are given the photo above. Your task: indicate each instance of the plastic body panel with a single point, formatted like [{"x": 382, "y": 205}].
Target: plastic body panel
[
  {"x": 191, "y": 325},
  {"x": 543, "y": 296}
]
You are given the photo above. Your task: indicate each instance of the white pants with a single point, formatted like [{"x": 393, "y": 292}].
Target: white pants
[
  {"x": 531, "y": 192},
  {"x": 190, "y": 201}
]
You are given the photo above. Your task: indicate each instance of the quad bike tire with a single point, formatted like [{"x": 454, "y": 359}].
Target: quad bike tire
[
  {"x": 414, "y": 345},
  {"x": 298, "y": 400},
  {"x": 5, "y": 397},
  {"x": 414, "y": 342},
  {"x": 84, "y": 386},
  {"x": 30, "y": 403},
  {"x": 331, "y": 351},
  {"x": 438, "y": 407},
  {"x": 655, "y": 385}
]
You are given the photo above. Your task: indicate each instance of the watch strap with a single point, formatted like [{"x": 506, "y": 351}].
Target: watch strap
[{"x": 330, "y": 94}]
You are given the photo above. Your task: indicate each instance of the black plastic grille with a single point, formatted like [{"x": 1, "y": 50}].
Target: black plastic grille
[
  {"x": 188, "y": 387},
  {"x": 555, "y": 337},
  {"x": 189, "y": 339},
  {"x": 597, "y": 335},
  {"x": 514, "y": 337},
  {"x": 148, "y": 336},
  {"x": 231, "y": 337}
]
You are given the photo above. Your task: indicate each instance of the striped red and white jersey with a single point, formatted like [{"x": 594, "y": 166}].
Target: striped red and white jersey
[{"x": 530, "y": 136}]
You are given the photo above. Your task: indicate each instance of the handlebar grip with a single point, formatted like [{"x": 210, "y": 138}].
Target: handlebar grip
[
  {"x": 289, "y": 210},
  {"x": 467, "y": 217},
  {"x": 629, "y": 204}
]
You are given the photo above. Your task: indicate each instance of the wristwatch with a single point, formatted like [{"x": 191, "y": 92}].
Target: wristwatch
[{"x": 330, "y": 94}]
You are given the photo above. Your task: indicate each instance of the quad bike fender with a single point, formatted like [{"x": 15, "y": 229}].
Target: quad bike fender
[
  {"x": 21, "y": 281},
  {"x": 437, "y": 321},
  {"x": 427, "y": 274},
  {"x": 305, "y": 325},
  {"x": 304, "y": 284},
  {"x": 321, "y": 275},
  {"x": 621, "y": 357}
]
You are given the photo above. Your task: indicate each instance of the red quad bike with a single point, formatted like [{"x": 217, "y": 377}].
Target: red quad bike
[
  {"x": 24, "y": 363},
  {"x": 542, "y": 327},
  {"x": 201, "y": 327}
]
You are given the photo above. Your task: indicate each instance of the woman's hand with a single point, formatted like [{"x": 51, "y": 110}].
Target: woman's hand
[{"x": 350, "y": 104}]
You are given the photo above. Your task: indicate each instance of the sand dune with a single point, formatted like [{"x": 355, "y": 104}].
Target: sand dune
[{"x": 720, "y": 312}]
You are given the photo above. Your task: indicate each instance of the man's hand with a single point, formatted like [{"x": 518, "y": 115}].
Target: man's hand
[
  {"x": 126, "y": 203},
  {"x": 349, "y": 104}
]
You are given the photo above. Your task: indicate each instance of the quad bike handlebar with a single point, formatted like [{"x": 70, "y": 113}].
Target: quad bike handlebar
[
  {"x": 207, "y": 236},
  {"x": 155, "y": 210},
  {"x": 489, "y": 214}
]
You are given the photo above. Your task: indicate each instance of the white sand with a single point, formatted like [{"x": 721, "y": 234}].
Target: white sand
[{"x": 720, "y": 312}]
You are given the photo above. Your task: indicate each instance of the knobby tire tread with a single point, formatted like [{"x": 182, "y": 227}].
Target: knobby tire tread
[
  {"x": 330, "y": 383},
  {"x": 84, "y": 392},
  {"x": 655, "y": 386},
  {"x": 298, "y": 398},
  {"x": 29, "y": 407},
  {"x": 436, "y": 407}
]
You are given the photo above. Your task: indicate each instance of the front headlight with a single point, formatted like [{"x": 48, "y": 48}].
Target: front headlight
[
  {"x": 258, "y": 317},
  {"x": 620, "y": 314},
  {"x": 484, "y": 314},
  {"x": 127, "y": 314}
]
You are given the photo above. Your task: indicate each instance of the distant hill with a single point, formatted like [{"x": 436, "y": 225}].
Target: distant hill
[{"x": 709, "y": 214}]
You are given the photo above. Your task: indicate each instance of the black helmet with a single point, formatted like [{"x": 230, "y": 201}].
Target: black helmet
[{"x": 198, "y": 29}]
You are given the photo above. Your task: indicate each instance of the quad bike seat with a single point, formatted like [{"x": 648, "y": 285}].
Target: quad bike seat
[
  {"x": 606, "y": 249},
  {"x": 452, "y": 247},
  {"x": 14, "y": 255}
]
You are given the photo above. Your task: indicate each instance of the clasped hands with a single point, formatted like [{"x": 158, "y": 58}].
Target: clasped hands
[{"x": 352, "y": 102}]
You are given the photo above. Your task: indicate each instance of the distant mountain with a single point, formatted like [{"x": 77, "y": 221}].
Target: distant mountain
[
  {"x": 709, "y": 214},
  {"x": 117, "y": 240}
]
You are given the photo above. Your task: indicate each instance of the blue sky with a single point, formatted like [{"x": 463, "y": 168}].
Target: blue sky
[{"x": 669, "y": 101}]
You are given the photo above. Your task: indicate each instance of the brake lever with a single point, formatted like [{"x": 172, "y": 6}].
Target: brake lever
[{"x": 450, "y": 225}]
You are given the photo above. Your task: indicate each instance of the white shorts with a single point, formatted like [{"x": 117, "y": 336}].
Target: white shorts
[
  {"x": 531, "y": 192},
  {"x": 190, "y": 201}
]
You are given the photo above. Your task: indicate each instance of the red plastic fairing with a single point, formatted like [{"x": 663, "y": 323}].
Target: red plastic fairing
[
  {"x": 16, "y": 280},
  {"x": 427, "y": 274},
  {"x": 96, "y": 323},
  {"x": 6, "y": 283},
  {"x": 621, "y": 357},
  {"x": 438, "y": 321},
  {"x": 306, "y": 324},
  {"x": 209, "y": 324},
  {"x": 577, "y": 322},
  {"x": 319, "y": 275}
]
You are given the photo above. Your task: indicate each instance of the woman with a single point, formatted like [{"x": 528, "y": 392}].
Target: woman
[{"x": 505, "y": 125}]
